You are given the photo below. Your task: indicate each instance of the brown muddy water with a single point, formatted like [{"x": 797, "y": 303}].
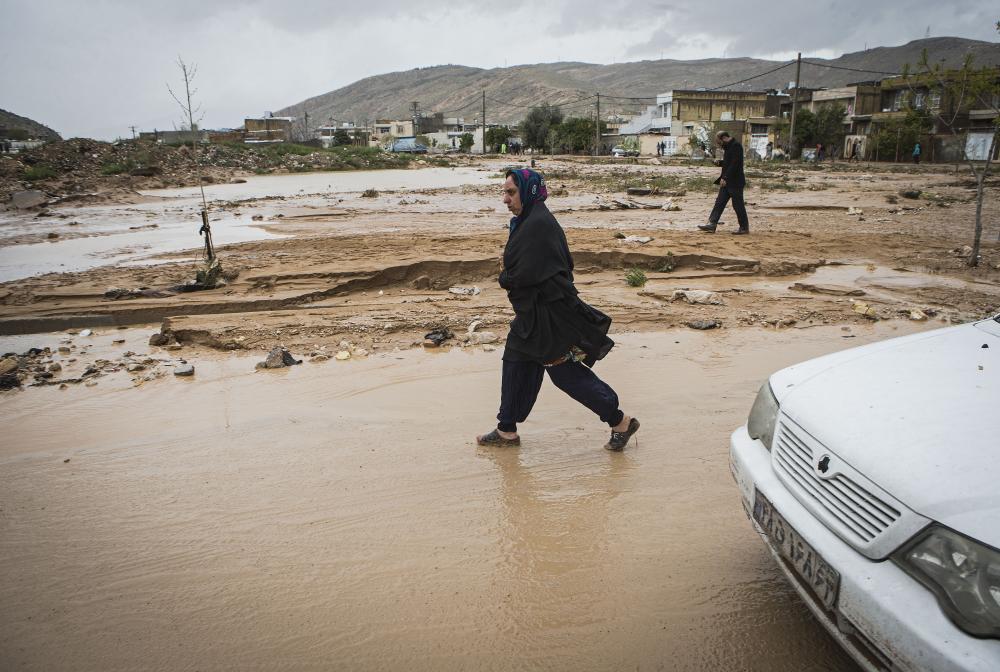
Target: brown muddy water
[{"x": 339, "y": 516}]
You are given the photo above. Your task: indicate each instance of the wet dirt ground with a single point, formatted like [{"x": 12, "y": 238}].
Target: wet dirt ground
[{"x": 339, "y": 516}]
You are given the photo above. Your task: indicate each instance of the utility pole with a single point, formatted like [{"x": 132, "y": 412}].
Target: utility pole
[
  {"x": 795, "y": 105},
  {"x": 597, "y": 130},
  {"x": 307, "y": 127},
  {"x": 484, "y": 122},
  {"x": 133, "y": 132}
]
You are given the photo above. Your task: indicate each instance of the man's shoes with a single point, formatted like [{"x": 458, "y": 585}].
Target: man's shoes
[
  {"x": 708, "y": 228},
  {"x": 619, "y": 440},
  {"x": 741, "y": 232}
]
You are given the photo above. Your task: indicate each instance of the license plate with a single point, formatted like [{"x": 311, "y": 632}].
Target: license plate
[{"x": 814, "y": 571}]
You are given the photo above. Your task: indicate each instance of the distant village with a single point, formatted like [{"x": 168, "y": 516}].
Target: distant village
[{"x": 878, "y": 120}]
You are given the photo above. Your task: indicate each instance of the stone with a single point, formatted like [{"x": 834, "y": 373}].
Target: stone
[
  {"x": 910, "y": 193},
  {"x": 278, "y": 358},
  {"x": 862, "y": 308},
  {"x": 636, "y": 240},
  {"x": 184, "y": 370},
  {"x": 359, "y": 352},
  {"x": 917, "y": 315},
  {"x": 703, "y": 325},
  {"x": 31, "y": 198},
  {"x": 832, "y": 290},
  {"x": 693, "y": 296},
  {"x": 482, "y": 337},
  {"x": 86, "y": 332},
  {"x": 342, "y": 355},
  {"x": 55, "y": 367},
  {"x": 320, "y": 358},
  {"x": 8, "y": 365},
  {"x": 9, "y": 381},
  {"x": 421, "y": 282}
]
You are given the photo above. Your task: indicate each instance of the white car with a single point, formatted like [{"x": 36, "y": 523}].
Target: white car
[{"x": 873, "y": 476}]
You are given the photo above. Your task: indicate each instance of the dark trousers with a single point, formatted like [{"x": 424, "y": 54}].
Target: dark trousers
[
  {"x": 725, "y": 193},
  {"x": 523, "y": 380}
]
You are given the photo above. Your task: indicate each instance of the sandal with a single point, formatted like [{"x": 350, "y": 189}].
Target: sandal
[{"x": 494, "y": 439}]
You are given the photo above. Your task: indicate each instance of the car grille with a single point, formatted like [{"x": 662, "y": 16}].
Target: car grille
[{"x": 851, "y": 505}]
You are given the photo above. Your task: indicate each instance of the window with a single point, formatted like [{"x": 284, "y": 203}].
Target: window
[{"x": 918, "y": 100}]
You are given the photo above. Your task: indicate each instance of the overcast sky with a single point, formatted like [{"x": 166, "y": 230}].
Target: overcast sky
[{"x": 95, "y": 67}]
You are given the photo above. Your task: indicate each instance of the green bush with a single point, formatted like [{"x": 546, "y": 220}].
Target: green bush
[
  {"x": 39, "y": 172},
  {"x": 635, "y": 277},
  {"x": 114, "y": 169}
]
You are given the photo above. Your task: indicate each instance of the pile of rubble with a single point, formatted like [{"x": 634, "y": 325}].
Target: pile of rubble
[{"x": 82, "y": 165}]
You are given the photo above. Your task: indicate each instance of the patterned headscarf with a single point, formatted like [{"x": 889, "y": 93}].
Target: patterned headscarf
[{"x": 531, "y": 189}]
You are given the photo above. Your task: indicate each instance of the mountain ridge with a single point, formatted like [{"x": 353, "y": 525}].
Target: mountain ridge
[{"x": 456, "y": 90}]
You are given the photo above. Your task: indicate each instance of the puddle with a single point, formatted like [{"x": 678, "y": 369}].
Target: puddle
[{"x": 338, "y": 513}]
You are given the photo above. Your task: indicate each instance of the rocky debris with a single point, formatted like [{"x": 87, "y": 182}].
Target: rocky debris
[
  {"x": 670, "y": 206},
  {"x": 863, "y": 309},
  {"x": 342, "y": 355},
  {"x": 832, "y": 290},
  {"x": 910, "y": 193},
  {"x": 693, "y": 296},
  {"x": 918, "y": 315},
  {"x": 369, "y": 193},
  {"x": 8, "y": 365},
  {"x": 465, "y": 291},
  {"x": 855, "y": 211},
  {"x": 703, "y": 325},
  {"x": 639, "y": 191},
  {"x": 636, "y": 240},
  {"x": 964, "y": 251},
  {"x": 278, "y": 358},
  {"x": 163, "y": 339},
  {"x": 421, "y": 282},
  {"x": 119, "y": 293},
  {"x": 184, "y": 370},
  {"x": 435, "y": 338},
  {"x": 32, "y": 198}
]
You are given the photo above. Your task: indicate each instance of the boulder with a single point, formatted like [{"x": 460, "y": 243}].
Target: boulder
[
  {"x": 184, "y": 370},
  {"x": 31, "y": 198},
  {"x": 278, "y": 358}
]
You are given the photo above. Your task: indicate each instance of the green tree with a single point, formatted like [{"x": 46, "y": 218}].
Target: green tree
[
  {"x": 466, "y": 141},
  {"x": 805, "y": 129},
  {"x": 341, "y": 137},
  {"x": 896, "y": 137},
  {"x": 968, "y": 88},
  {"x": 537, "y": 124},
  {"x": 830, "y": 126},
  {"x": 497, "y": 136},
  {"x": 577, "y": 134}
]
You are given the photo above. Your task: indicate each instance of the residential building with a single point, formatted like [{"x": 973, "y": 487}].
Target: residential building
[{"x": 268, "y": 129}]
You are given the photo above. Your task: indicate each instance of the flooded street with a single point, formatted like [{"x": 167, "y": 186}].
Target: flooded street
[
  {"x": 339, "y": 516},
  {"x": 138, "y": 234}
]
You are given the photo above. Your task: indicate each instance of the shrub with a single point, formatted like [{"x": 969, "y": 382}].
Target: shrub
[
  {"x": 635, "y": 277},
  {"x": 39, "y": 172},
  {"x": 113, "y": 169}
]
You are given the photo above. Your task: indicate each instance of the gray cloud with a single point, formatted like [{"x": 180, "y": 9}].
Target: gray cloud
[{"x": 96, "y": 68}]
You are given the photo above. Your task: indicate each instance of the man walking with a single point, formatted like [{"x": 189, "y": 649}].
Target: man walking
[{"x": 731, "y": 183}]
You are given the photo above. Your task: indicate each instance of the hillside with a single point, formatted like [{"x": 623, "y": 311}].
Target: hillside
[
  {"x": 457, "y": 90},
  {"x": 35, "y": 130}
]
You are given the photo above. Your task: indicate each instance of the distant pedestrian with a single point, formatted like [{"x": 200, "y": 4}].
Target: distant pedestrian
[
  {"x": 769, "y": 151},
  {"x": 916, "y": 153},
  {"x": 553, "y": 330},
  {"x": 731, "y": 183},
  {"x": 819, "y": 151}
]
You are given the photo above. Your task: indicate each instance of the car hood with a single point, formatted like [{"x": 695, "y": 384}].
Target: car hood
[{"x": 918, "y": 415}]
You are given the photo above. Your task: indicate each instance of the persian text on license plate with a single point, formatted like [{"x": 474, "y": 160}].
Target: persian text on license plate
[{"x": 808, "y": 564}]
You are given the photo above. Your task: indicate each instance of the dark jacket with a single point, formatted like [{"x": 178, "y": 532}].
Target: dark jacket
[
  {"x": 549, "y": 317},
  {"x": 732, "y": 165}
]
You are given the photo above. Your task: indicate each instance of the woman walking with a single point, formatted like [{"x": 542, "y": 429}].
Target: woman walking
[{"x": 553, "y": 330}]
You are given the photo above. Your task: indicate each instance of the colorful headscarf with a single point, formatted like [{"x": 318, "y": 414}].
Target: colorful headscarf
[{"x": 531, "y": 189}]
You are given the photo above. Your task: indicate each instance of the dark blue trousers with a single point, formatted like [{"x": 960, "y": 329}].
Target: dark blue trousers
[
  {"x": 739, "y": 207},
  {"x": 522, "y": 381}
]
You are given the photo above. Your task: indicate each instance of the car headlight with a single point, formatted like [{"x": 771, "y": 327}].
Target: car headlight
[
  {"x": 763, "y": 415},
  {"x": 963, "y": 574}
]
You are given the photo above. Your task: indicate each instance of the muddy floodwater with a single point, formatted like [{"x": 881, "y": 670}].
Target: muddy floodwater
[{"x": 339, "y": 516}]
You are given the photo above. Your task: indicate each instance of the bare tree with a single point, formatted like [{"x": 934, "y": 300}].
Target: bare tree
[
  {"x": 209, "y": 275},
  {"x": 950, "y": 95}
]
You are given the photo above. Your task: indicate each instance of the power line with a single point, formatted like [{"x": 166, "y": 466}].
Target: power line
[
  {"x": 844, "y": 67},
  {"x": 768, "y": 72}
]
